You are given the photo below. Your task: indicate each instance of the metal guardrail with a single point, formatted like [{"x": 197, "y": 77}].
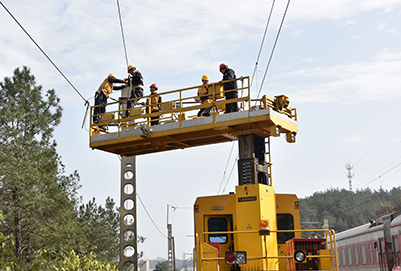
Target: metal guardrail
[
  {"x": 330, "y": 245},
  {"x": 180, "y": 105}
]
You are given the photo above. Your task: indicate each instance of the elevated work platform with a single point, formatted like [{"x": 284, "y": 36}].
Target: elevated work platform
[{"x": 180, "y": 127}]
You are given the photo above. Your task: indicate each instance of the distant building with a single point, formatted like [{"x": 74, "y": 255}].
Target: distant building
[{"x": 144, "y": 266}]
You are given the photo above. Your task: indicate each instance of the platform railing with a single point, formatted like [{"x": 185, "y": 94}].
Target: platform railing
[
  {"x": 180, "y": 105},
  {"x": 330, "y": 246}
]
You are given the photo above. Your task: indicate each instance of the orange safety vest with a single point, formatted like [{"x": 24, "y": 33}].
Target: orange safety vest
[
  {"x": 106, "y": 87},
  {"x": 154, "y": 102},
  {"x": 203, "y": 91}
]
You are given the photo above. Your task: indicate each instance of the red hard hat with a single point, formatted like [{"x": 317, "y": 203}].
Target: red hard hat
[
  {"x": 154, "y": 85},
  {"x": 223, "y": 65}
]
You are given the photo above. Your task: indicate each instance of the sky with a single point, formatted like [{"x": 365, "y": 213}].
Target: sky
[{"x": 339, "y": 61}]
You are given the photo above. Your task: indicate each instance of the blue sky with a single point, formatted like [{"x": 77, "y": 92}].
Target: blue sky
[{"x": 338, "y": 61}]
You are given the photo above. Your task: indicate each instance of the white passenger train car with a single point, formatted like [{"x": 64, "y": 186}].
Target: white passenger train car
[{"x": 373, "y": 246}]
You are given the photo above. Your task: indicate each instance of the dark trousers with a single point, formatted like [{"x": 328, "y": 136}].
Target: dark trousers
[
  {"x": 205, "y": 112},
  {"x": 155, "y": 120},
  {"x": 135, "y": 93},
  {"x": 100, "y": 99},
  {"x": 231, "y": 107}
]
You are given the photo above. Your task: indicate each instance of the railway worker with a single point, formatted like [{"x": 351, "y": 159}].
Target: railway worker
[
  {"x": 103, "y": 93},
  {"x": 203, "y": 99},
  {"x": 229, "y": 74},
  {"x": 154, "y": 104},
  {"x": 135, "y": 80}
]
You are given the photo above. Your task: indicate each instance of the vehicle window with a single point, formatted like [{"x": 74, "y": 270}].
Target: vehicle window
[
  {"x": 343, "y": 259},
  {"x": 349, "y": 255},
  {"x": 376, "y": 252},
  {"x": 363, "y": 254},
  {"x": 383, "y": 251},
  {"x": 284, "y": 222},
  {"x": 370, "y": 253},
  {"x": 396, "y": 248},
  {"x": 356, "y": 255},
  {"x": 217, "y": 224}
]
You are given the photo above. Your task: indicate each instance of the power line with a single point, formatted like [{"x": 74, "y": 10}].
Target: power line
[
  {"x": 43, "y": 52},
  {"x": 382, "y": 174},
  {"x": 225, "y": 170},
  {"x": 143, "y": 205},
  {"x": 263, "y": 40},
  {"x": 122, "y": 32},
  {"x": 228, "y": 179},
  {"x": 274, "y": 47},
  {"x": 378, "y": 144}
]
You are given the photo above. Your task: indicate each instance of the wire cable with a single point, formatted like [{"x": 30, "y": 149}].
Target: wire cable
[
  {"x": 43, "y": 52},
  {"x": 122, "y": 32},
  {"x": 225, "y": 170},
  {"x": 378, "y": 144},
  {"x": 263, "y": 40},
  {"x": 382, "y": 174},
  {"x": 232, "y": 169},
  {"x": 143, "y": 205},
  {"x": 273, "y": 49}
]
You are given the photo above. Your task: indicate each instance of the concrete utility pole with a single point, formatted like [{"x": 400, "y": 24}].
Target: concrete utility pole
[
  {"x": 128, "y": 215},
  {"x": 349, "y": 175},
  {"x": 171, "y": 249}
]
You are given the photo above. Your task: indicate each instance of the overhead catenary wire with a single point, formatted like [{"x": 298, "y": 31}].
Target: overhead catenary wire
[
  {"x": 122, "y": 32},
  {"x": 273, "y": 49},
  {"x": 263, "y": 40},
  {"x": 229, "y": 176},
  {"x": 225, "y": 170},
  {"x": 44, "y": 53},
  {"x": 151, "y": 219}
]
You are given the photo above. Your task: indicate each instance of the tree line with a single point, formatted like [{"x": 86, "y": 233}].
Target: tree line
[
  {"x": 346, "y": 209},
  {"x": 43, "y": 223}
]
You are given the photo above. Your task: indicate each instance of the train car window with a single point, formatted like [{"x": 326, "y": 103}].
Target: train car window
[
  {"x": 363, "y": 254},
  {"x": 376, "y": 252},
  {"x": 356, "y": 255},
  {"x": 396, "y": 249},
  {"x": 370, "y": 252},
  {"x": 343, "y": 259},
  {"x": 284, "y": 222},
  {"x": 349, "y": 254},
  {"x": 383, "y": 251},
  {"x": 217, "y": 224}
]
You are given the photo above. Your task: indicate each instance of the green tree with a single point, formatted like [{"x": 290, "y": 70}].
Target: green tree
[
  {"x": 100, "y": 229},
  {"x": 36, "y": 197},
  {"x": 161, "y": 266},
  {"x": 346, "y": 209}
]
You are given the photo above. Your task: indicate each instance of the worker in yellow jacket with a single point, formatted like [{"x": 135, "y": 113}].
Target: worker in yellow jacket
[
  {"x": 103, "y": 93},
  {"x": 154, "y": 102},
  {"x": 204, "y": 98}
]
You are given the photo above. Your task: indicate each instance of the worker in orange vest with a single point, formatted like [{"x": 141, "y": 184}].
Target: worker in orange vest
[
  {"x": 153, "y": 103},
  {"x": 203, "y": 98},
  {"x": 103, "y": 93}
]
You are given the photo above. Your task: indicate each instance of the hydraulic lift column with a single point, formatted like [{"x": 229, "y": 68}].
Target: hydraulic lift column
[{"x": 252, "y": 165}]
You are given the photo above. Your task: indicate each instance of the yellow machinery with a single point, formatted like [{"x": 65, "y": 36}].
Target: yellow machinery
[{"x": 253, "y": 229}]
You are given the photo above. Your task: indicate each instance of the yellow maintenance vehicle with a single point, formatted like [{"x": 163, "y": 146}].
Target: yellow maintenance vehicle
[{"x": 250, "y": 230}]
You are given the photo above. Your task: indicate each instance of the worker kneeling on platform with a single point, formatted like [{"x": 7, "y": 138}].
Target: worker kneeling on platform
[
  {"x": 153, "y": 103},
  {"x": 203, "y": 91},
  {"x": 103, "y": 93}
]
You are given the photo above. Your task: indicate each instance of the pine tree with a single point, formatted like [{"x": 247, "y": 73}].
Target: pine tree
[{"x": 36, "y": 197}]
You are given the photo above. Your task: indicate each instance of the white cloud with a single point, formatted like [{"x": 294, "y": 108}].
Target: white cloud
[{"x": 375, "y": 79}]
